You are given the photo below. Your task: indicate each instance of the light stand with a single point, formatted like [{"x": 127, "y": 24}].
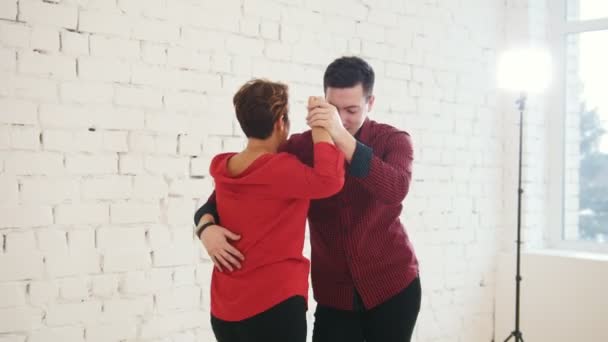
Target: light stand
[
  {"x": 527, "y": 70},
  {"x": 516, "y": 334}
]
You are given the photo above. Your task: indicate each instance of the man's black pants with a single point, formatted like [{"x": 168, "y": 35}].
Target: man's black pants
[{"x": 391, "y": 321}]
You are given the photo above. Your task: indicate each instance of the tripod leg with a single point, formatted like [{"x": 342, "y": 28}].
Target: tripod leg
[{"x": 509, "y": 337}]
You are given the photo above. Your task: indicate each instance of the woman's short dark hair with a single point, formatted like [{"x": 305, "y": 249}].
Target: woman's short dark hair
[
  {"x": 259, "y": 104},
  {"x": 347, "y": 72}
]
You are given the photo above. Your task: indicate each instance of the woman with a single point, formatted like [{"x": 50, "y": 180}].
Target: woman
[{"x": 263, "y": 196}]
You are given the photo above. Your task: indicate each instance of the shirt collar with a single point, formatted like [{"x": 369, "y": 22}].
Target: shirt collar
[{"x": 363, "y": 132}]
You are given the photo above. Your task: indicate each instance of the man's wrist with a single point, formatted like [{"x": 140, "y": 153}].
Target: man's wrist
[
  {"x": 202, "y": 226},
  {"x": 207, "y": 212}
]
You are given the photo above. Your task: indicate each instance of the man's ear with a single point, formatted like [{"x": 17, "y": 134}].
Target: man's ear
[{"x": 370, "y": 102}]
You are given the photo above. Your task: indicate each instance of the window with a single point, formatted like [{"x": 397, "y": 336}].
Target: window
[
  {"x": 586, "y": 9},
  {"x": 582, "y": 39}
]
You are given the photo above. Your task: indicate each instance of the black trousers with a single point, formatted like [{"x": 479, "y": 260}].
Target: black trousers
[
  {"x": 284, "y": 322},
  {"x": 391, "y": 321}
]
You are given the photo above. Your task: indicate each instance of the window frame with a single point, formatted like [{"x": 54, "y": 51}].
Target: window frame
[{"x": 559, "y": 28}]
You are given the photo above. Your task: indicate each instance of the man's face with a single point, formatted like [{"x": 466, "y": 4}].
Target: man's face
[{"x": 352, "y": 105}]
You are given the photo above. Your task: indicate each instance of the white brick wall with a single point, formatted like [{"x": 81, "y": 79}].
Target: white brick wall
[
  {"x": 8, "y": 10},
  {"x": 110, "y": 112}
]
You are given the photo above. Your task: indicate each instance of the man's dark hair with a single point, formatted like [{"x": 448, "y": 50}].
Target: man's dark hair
[{"x": 347, "y": 72}]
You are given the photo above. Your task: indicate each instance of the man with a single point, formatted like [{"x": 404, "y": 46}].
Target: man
[{"x": 364, "y": 270}]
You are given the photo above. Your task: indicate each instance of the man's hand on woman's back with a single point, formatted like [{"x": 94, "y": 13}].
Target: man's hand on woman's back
[{"x": 216, "y": 240}]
